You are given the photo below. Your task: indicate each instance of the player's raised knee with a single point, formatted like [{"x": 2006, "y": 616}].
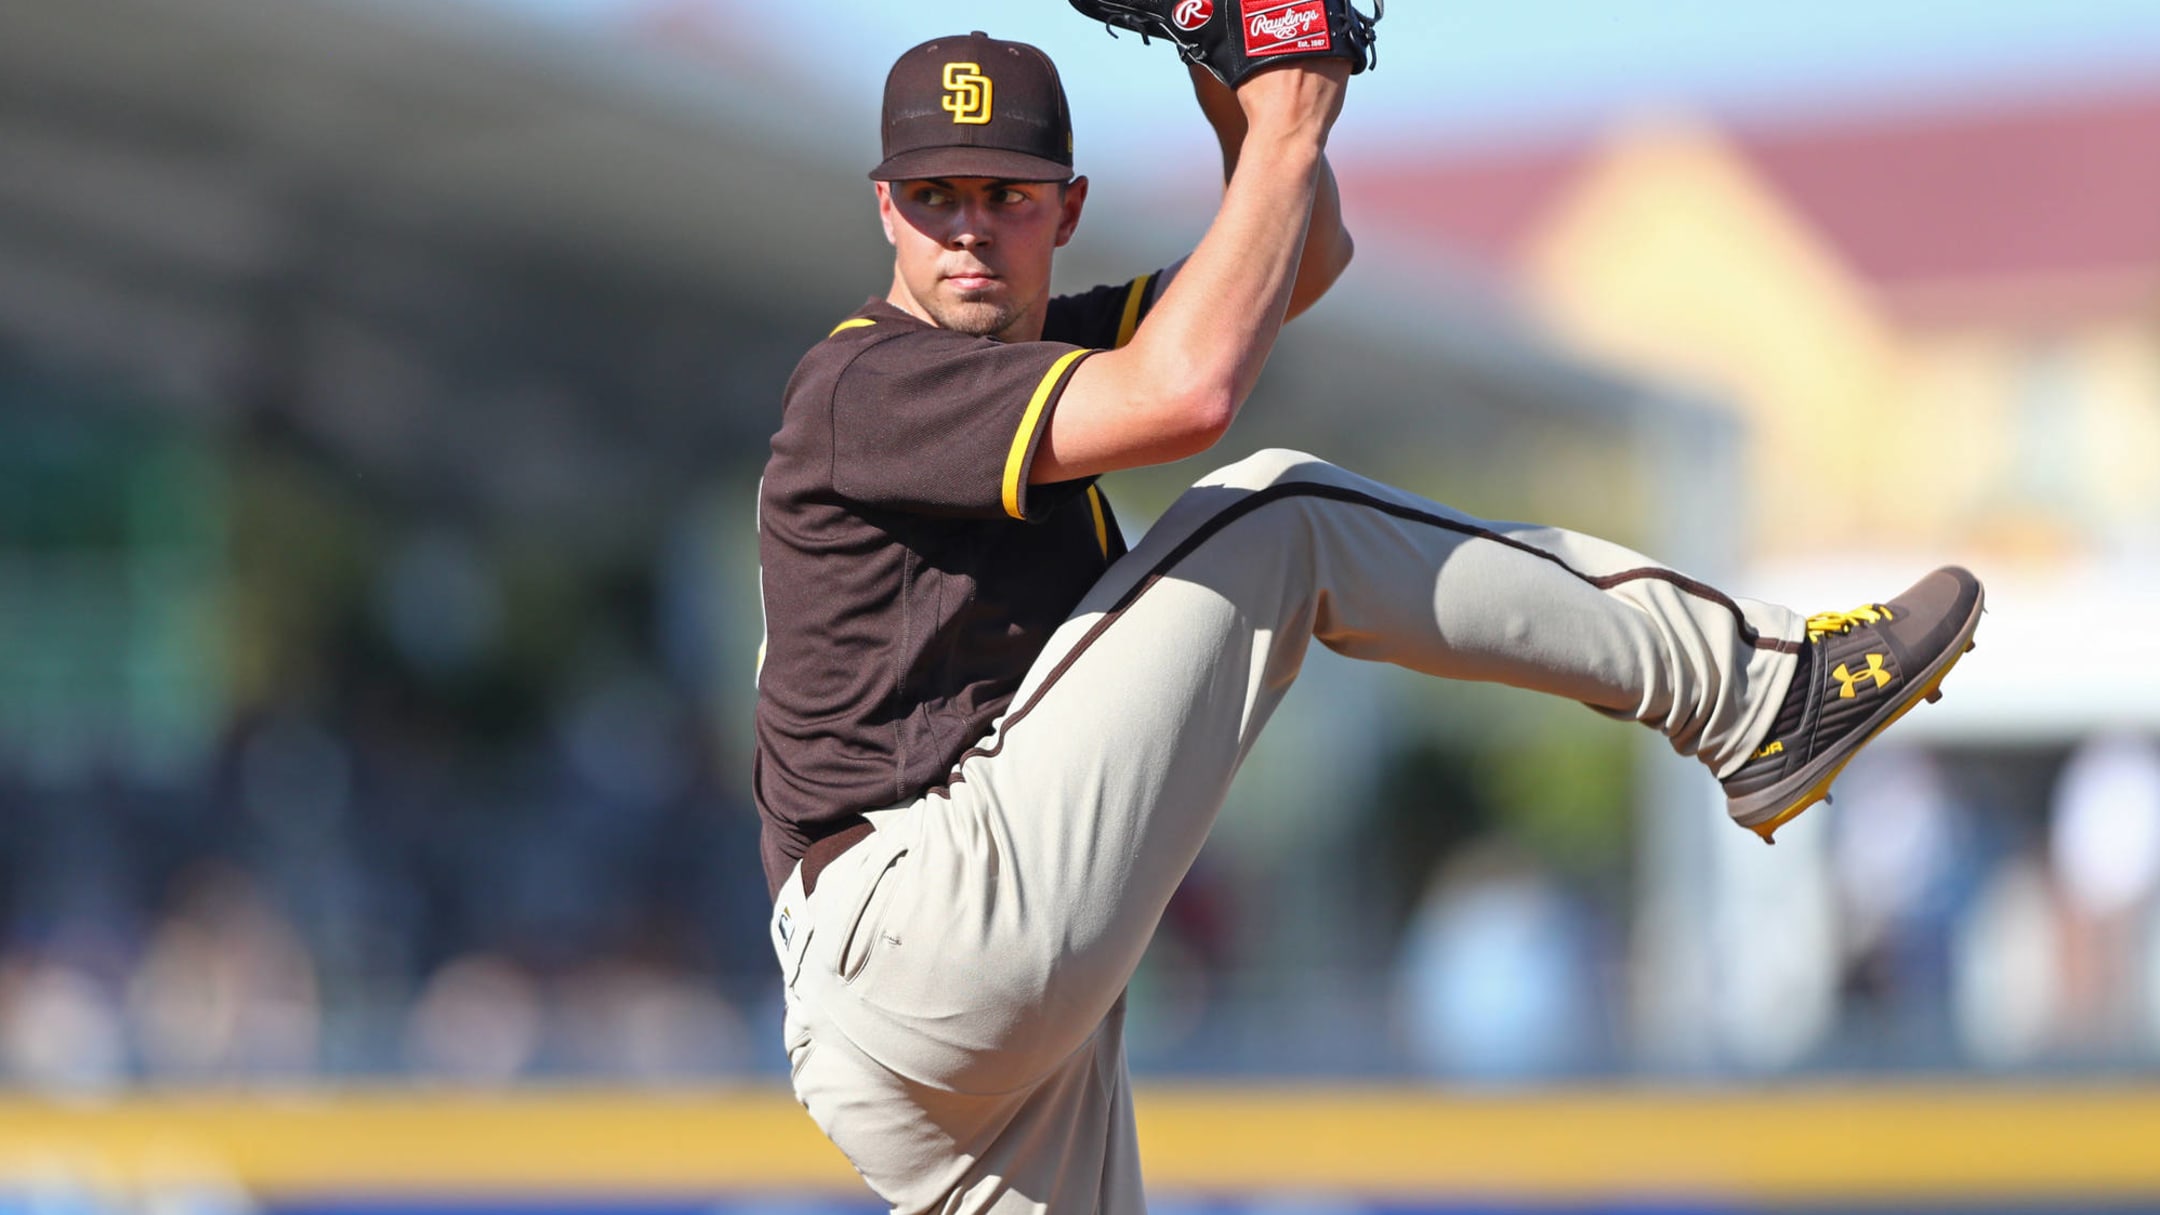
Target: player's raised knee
[{"x": 1269, "y": 466}]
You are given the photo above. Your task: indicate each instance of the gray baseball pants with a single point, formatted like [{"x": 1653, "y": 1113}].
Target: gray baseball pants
[{"x": 954, "y": 985}]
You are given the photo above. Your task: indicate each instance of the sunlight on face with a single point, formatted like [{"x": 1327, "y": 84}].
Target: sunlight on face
[{"x": 974, "y": 253}]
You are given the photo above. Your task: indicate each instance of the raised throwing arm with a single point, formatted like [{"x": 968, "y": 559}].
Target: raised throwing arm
[{"x": 1174, "y": 390}]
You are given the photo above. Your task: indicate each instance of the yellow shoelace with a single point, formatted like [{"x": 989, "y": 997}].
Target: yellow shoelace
[{"x": 1822, "y": 624}]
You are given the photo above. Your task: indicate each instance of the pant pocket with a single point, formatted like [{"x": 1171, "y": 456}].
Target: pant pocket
[{"x": 868, "y": 923}]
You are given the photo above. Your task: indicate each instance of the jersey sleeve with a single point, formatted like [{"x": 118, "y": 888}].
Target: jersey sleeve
[
  {"x": 1105, "y": 317},
  {"x": 942, "y": 423}
]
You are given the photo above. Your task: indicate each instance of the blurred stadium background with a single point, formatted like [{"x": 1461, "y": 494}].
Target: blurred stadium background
[{"x": 382, "y": 387}]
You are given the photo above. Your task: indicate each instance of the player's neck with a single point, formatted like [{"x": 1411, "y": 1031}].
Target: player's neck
[{"x": 903, "y": 299}]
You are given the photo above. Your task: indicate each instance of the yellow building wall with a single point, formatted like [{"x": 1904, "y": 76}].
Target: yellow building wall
[
  {"x": 2121, "y": 446},
  {"x": 1674, "y": 259},
  {"x": 1960, "y": 390},
  {"x": 2054, "y": 439},
  {"x": 1670, "y": 259}
]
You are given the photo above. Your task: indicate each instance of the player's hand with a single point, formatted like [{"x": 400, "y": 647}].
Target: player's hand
[{"x": 1306, "y": 93}]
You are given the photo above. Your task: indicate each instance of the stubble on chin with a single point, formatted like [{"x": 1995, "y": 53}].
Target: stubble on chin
[{"x": 976, "y": 318}]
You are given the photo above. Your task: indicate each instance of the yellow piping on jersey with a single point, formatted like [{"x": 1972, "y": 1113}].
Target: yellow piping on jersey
[
  {"x": 1025, "y": 436},
  {"x": 1134, "y": 297},
  {"x": 855, "y": 322},
  {"x": 1102, "y": 529}
]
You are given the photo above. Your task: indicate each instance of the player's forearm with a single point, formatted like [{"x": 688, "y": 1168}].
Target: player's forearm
[
  {"x": 1211, "y": 332},
  {"x": 1174, "y": 390},
  {"x": 1219, "y": 104},
  {"x": 1328, "y": 246}
]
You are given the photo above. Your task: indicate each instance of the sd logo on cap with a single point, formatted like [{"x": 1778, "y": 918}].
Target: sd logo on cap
[{"x": 967, "y": 93}]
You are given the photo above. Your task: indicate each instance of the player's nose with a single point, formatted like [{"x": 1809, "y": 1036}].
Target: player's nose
[{"x": 971, "y": 225}]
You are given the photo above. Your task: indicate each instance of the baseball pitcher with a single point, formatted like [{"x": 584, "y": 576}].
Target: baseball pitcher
[{"x": 991, "y": 738}]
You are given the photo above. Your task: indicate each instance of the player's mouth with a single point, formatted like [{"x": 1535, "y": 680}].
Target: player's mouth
[{"x": 972, "y": 280}]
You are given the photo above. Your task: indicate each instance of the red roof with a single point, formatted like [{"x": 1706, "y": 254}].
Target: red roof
[
  {"x": 1971, "y": 201},
  {"x": 2063, "y": 187},
  {"x": 1481, "y": 205}
]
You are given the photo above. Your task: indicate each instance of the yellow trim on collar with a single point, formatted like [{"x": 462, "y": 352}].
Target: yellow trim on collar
[
  {"x": 1016, "y": 459},
  {"x": 853, "y": 322}
]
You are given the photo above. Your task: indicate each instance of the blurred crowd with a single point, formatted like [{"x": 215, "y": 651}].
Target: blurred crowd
[
  {"x": 291, "y": 788},
  {"x": 1957, "y": 909},
  {"x": 255, "y": 931},
  {"x": 368, "y": 900}
]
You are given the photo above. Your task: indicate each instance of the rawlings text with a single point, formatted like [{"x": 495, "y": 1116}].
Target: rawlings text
[{"x": 1284, "y": 29}]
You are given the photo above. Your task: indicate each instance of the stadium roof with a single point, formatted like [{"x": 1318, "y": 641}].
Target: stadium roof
[
  {"x": 457, "y": 256},
  {"x": 469, "y": 255},
  {"x": 215, "y": 111}
]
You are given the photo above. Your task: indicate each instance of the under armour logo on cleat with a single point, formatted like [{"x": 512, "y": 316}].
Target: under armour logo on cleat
[
  {"x": 1775, "y": 748},
  {"x": 1851, "y": 681}
]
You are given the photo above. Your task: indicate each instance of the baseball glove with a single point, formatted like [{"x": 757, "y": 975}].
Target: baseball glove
[{"x": 1235, "y": 38}]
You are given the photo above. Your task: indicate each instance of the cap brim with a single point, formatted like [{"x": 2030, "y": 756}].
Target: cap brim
[{"x": 970, "y": 162}]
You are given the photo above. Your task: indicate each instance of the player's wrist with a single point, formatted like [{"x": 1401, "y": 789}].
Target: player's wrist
[
  {"x": 1295, "y": 96},
  {"x": 1286, "y": 132},
  {"x": 1290, "y": 157}
]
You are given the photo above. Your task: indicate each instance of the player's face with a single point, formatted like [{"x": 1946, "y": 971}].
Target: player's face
[{"x": 973, "y": 253}]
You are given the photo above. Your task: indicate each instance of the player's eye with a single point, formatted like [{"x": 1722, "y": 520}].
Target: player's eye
[
  {"x": 931, "y": 196},
  {"x": 1010, "y": 197}
]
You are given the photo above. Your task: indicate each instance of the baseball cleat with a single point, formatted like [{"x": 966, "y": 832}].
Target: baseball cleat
[{"x": 1860, "y": 671}]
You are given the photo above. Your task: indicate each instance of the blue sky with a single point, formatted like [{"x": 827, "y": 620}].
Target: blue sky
[{"x": 1454, "y": 69}]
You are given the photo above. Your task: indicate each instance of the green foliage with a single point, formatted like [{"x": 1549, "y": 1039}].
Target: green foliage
[
  {"x": 1552, "y": 781},
  {"x": 112, "y": 550},
  {"x": 1562, "y": 783}
]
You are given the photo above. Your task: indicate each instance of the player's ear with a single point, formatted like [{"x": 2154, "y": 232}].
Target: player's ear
[
  {"x": 886, "y": 217},
  {"x": 1074, "y": 198}
]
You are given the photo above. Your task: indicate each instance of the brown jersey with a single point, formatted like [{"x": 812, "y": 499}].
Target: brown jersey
[{"x": 910, "y": 573}]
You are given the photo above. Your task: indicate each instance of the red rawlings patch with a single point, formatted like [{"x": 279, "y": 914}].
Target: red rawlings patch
[
  {"x": 1285, "y": 29},
  {"x": 1192, "y": 14}
]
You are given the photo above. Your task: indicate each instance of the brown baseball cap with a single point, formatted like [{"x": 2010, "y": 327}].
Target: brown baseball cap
[{"x": 974, "y": 106}]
